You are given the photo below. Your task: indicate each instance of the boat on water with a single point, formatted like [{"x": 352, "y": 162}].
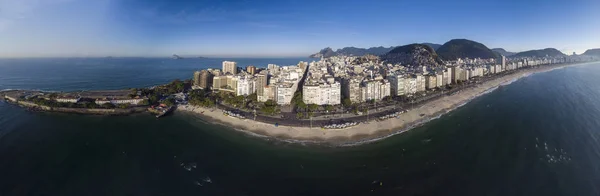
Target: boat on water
[
  {"x": 161, "y": 110},
  {"x": 165, "y": 111}
]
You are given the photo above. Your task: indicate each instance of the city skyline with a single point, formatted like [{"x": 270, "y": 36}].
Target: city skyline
[{"x": 75, "y": 28}]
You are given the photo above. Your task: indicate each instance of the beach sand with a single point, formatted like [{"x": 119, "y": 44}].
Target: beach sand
[{"x": 374, "y": 130}]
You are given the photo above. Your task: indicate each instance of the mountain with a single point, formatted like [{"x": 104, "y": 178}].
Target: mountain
[
  {"x": 552, "y": 52},
  {"x": 353, "y": 51},
  {"x": 176, "y": 57},
  {"x": 592, "y": 52},
  {"x": 434, "y": 46},
  {"x": 365, "y": 59},
  {"x": 463, "y": 48},
  {"x": 413, "y": 55},
  {"x": 503, "y": 52},
  {"x": 325, "y": 53}
]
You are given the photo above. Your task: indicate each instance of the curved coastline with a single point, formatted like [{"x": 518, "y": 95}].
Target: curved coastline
[{"x": 372, "y": 131}]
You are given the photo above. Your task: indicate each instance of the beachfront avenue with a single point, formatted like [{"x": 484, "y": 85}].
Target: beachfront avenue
[
  {"x": 339, "y": 92},
  {"x": 342, "y": 90}
]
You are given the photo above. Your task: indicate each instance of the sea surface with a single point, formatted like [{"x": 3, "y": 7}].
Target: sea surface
[{"x": 537, "y": 136}]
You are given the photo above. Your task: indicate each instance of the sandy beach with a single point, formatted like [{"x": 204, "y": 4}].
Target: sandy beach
[{"x": 374, "y": 130}]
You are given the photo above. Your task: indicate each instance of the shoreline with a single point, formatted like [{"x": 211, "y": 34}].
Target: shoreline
[{"x": 373, "y": 130}]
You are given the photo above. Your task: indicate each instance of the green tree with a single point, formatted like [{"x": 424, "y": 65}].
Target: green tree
[
  {"x": 124, "y": 106},
  {"x": 299, "y": 115},
  {"x": 53, "y": 95},
  {"x": 169, "y": 102},
  {"x": 253, "y": 97},
  {"x": 313, "y": 107},
  {"x": 144, "y": 102},
  {"x": 329, "y": 108},
  {"x": 90, "y": 105},
  {"x": 301, "y": 105},
  {"x": 346, "y": 102},
  {"x": 270, "y": 103},
  {"x": 108, "y": 105}
]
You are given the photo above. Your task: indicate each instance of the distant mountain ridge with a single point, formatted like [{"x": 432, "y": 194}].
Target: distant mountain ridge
[
  {"x": 413, "y": 55},
  {"x": 463, "y": 48},
  {"x": 324, "y": 53},
  {"x": 432, "y": 45},
  {"x": 592, "y": 52},
  {"x": 354, "y": 51},
  {"x": 503, "y": 52},
  {"x": 552, "y": 52}
]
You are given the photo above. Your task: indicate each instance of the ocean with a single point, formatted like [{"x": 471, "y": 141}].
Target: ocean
[{"x": 536, "y": 136}]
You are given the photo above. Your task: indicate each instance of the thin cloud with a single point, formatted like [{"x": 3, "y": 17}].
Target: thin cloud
[
  {"x": 263, "y": 25},
  {"x": 11, "y": 11}
]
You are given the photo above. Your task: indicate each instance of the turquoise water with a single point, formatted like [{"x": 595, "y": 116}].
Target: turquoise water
[{"x": 536, "y": 136}]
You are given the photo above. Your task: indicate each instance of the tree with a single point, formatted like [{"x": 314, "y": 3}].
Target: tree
[
  {"x": 124, "y": 106},
  {"x": 346, "y": 102},
  {"x": 53, "y": 95},
  {"x": 90, "y": 105},
  {"x": 299, "y": 115},
  {"x": 313, "y": 107},
  {"x": 253, "y": 97},
  {"x": 270, "y": 103},
  {"x": 144, "y": 102},
  {"x": 387, "y": 98},
  {"x": 169, "y": 101},
  {"x": 133, "y": 93},
  {"x": 108, "y": 105},
  {"x": 270, "y": 107},
  {"x": 301, "y": 105},
  {"x": 329, "y": 108}
]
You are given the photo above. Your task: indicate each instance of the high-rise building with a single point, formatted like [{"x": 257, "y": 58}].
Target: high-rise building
[
  {"x": 375, "y": 90},
  {"x": 229, "y": 67},
  {"x": 251, "y": 69},
  {"x": 321, "y": 92},
  {"x": 261, "y": 84},
  {"x": 430, "y": 81},
  {"x": 397, "y": 84},
  {"x": 439, "y": 77},
  {"x": 410, "y": 85},
  {"x": 203, "y": 79},
  {"x": 225, "y": 83},
  {"x": 351, "y": 89},
  {"x": 284, "y": 92},
  {"x": 420, "y": 83},
  {"x": 245, "y": 85}
]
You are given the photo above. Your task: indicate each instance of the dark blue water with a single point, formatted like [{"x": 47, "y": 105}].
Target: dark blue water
[
  {"x": 71, "y": 74},
  {"x": 537, "y": 136}
]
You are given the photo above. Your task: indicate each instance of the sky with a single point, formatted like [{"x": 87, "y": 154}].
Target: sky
[{"x": 286, "y": 28}]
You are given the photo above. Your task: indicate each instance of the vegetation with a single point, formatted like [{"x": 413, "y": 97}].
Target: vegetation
[
  {"x": 270, "y": 108},
  {"x": 329, "y": 108},
  {"x": 346, "y": 102},
  {"x": 540, "y": 53},
  {"x": 312, "y": 107},
  {"x": 201, "y": 98},
  {"x": 108, "y": 106},
  {"x": 463, "y": 48},
  {"x": 156, "y": 94},
  {"x": 168, "y": 101},
  {"x": 413, "y": 54},
  {"x": 124, "y": 106},
  {"x": 592, "y": 52}
]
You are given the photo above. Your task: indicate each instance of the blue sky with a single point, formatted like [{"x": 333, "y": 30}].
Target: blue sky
[{"x": 286, "y": 28}]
